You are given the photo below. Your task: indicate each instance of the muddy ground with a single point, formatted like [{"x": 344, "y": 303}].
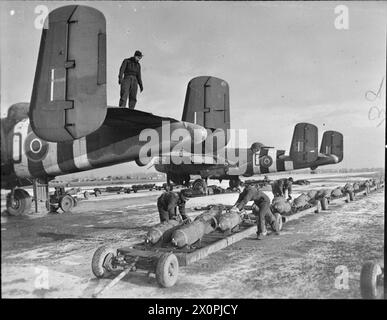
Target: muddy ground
[{"x": 50, "y": 255}]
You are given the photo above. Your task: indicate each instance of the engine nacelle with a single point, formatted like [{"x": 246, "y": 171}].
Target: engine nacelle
[{"x": 256, "y": 147}]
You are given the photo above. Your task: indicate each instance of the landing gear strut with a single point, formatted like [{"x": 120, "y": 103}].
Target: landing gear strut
[{"x": 18, "y": 202}]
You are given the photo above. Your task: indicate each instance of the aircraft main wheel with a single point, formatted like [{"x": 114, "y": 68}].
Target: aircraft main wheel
[
  {"x": 97, "y": 192},
  {"x": 370, "y": 279},
  {"x": 86, "y": 194},
  {"x": 101, "y": 263},
  {"x": 66, "y": 203},
  {"x": 21, "y": 203},
  {"x": 200, "y": 184},
  {"x": 167, "y": 270}
]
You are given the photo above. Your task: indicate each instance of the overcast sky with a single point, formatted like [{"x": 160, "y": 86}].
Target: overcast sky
[{"x": 285, "y": 63}]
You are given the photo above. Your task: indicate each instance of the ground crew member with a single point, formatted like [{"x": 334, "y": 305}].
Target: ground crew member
[
  {"x": 129, "y": 78},
  {"x": 279, "y": 187},
  {"x": 167, "y": 204},
  {"x": 261, "y": 209}
]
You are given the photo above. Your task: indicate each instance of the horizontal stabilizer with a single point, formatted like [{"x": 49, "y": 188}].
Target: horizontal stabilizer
[
  {"x": 304, "y": 147},
  {"x": 133, "y": 120},
  {"x": 332, "y": 144},
  {"x": 69, "y": 94}
]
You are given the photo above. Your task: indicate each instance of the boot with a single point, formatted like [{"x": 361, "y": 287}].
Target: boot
[{"x": 262, "y": 235}]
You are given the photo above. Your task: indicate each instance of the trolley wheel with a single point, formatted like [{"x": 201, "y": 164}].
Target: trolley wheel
[
  {"x": 86, "y": 194},
  {"x": 97, "y": 192},
  {"x": 101, "y": 264},
  {"x": 318, "y": 207},
  {"x": 21, "y": 203},
  {"x": 324, "y": 203},
  {"x": 66, "y": 203},
  {"x": 370, "y": 276},
  {"x": 279, "y": 220},
  {"x": 167, "y": 270}
]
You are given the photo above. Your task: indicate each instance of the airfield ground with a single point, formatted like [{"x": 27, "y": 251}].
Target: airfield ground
[{"x": 50, "y": 255}]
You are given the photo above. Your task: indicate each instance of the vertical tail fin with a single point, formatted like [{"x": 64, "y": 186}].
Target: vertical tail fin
[
  {"x": 207, "y": 103},
  {"x": 304, "y": 147},
  {"x": 332, "y": 143},
  {"x": 69, "y": 94}
]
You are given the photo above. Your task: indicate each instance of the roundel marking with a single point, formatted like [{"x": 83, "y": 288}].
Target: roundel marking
[
  {"x": 35, "y": 148},
  {"x": 266, "y": 161},
  {"x": 36, "y": 145}
]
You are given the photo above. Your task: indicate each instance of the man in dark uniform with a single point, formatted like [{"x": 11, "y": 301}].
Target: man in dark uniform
[
  {"x": 279, "y": 187},
  {"x": 167, "y": 204},
  {"x": 261, "y": 209},
  {"x": 129, "y": 78}
]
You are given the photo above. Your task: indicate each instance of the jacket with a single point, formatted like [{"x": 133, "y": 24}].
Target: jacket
[
  {"x": 130, "y": 67},
  {"x": 251, "y": 193},
  {"x": 169, "y": 201}
]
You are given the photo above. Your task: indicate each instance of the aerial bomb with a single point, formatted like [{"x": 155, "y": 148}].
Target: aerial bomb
[
  {"x": 301, "y": 201},
  {"x": 312, "y": 194},
  {"x": 280, "y": 205},
  {"x": 356, "y": 186},
  {"x": 162, "y": 230},
  {"x": 203, "y": 224},
  {"x": 189, "y": 234},
  {"x": 229, "y": 220},
  {"x": 337, "y": 192}
]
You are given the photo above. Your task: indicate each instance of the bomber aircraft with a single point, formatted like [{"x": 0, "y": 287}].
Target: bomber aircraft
[
  {"x": 67, "y": 127},
  {"x": 215, "y": 162}
]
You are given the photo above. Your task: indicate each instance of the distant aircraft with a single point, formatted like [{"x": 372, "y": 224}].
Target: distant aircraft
[
  {"x": 68, "y": 127},
  {"x": 259, "y": 159}
]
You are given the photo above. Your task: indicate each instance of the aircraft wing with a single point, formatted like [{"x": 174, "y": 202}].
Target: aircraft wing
[{"x": 190, "y": 158}]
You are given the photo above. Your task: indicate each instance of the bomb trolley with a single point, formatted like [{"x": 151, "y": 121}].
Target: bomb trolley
[{"x": 162, "y": 259}]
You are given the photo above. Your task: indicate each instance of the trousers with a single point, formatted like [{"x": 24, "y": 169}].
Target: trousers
[
  {"x": 263, "y": 213},
  {"x": 129, "y": 86}
]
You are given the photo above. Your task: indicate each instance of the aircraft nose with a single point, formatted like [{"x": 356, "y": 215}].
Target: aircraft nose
[{"x": 197, "y": 132}]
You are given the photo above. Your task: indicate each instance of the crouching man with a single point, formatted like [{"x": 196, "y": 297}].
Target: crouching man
[
  {"x": 168, "y": 203},
  {"x": 261, "y": 209}
]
